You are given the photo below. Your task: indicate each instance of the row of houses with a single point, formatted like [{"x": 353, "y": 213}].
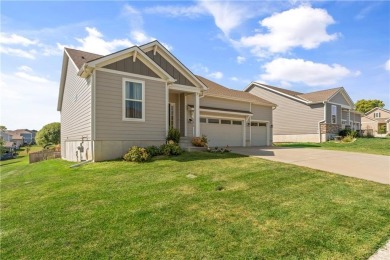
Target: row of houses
[
  {"x": 132, "y": 97},
  {"x": 17, "y": 138}
]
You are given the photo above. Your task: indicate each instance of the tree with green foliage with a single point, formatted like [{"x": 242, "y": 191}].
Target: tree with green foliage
[
  {"x": 364, "y": 105},
  {"x": 3, "y": 128},
  {"x": 49, "y": 134}
]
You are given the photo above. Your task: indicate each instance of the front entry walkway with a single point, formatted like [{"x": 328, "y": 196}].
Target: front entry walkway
[{"x": 359, "y": 165}]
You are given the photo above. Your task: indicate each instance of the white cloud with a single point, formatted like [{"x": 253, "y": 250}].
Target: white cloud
[
  {"x": 240, "y": 59},
  {"x": 301, "y": 71},
  {"x": 205, "y": 71},
  {"x": 227, "y": 15},
  {"x": 387, "y": 65},
  {"x": 29, "y": 54},
  {"x": 300, "y": 27},
  {"x": 216, "y": 75},
  {"x": 234, "y": 78},
  {"x": 191, "y": 11},
  {"x": 15, "y": 39},
  {"x": 25, "y": 68},
  {"x": 95, "y": 43},
  {"x": 27, "y": 100}
]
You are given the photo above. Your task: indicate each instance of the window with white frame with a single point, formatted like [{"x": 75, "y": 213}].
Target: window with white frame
[
  {"x": 377, "y": 114},
  {"x": 334, "y": 114},
  {"x": 133, "y": 100}
]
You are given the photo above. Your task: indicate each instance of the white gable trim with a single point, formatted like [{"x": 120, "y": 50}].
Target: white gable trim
[
  {"x": 174, "y": 61},
  {"x": 256, "y": 84},
  {"x": 378, "y": 108},
  {"x": 64, "y": 72},
  {"x": 134, "y": 52},
  {"x": 345, "y": 95},
  {"x": 129, "y": 74}
]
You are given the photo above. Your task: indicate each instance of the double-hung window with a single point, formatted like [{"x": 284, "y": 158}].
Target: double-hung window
[
  {"x": 334, "y": 114},
  {"x": 133, "y": 100}
]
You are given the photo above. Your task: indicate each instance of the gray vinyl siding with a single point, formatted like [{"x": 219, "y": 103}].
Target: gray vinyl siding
[
  {"x": 76, "y": 107},
  {"x": 291, "y": 117},
  {"x": 345, "y": 115},
  {"x": 263, "y": 113},
  {"x": 339, "y": 99},
  {"x": 329, "y": 113},
  {"x": 109, "y": 123},
  {"x": 127, "y": 65},
  {"x": 169, "y": 68}
]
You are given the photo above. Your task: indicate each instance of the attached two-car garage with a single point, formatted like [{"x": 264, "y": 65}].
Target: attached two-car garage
[{"x": 223, "y": 131}]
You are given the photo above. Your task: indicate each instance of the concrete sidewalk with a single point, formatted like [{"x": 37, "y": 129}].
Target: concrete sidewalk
[{"x": 359, "y": 165}]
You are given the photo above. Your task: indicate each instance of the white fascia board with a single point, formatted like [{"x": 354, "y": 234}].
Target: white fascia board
[
  {"x": 64, "y": 71},
  {"x": 184, "y": 88},
  {"x": 345, "y": 95},
  {"x": 177, "y": 64},
  {"x": 280, "y": 93},
  {"x": 238, "y": 99},
  {"x": 224, "y": 112},
  {"x": 133, "y": 51}
]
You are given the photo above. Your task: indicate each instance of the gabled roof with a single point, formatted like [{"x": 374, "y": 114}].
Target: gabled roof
[
  {"x": 378, "y": 108},
  {"x": 156, "y": 46},
  {"x": 320, "y": 96},
  {"x": 81, "y": 57},
  {"x": 307, "y": 98},
  {"x": 217, "y": 90}
]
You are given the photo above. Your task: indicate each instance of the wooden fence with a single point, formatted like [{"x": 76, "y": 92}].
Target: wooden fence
[{"x": 43, "y": 155}]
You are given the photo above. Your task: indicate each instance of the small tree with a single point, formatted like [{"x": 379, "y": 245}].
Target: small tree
[
  {"x": 364, "y": 105},
  {"x": 49, "y": 134}
]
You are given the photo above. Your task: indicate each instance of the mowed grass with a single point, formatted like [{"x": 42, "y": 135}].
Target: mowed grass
[
  {"x": 361, "y": 145},
  {"x": 198, "y": 205}
]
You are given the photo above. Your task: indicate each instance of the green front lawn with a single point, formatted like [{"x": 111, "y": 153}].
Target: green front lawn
[
  {"x": 361, "y": 145},
  {"x": 198, "y": 205}
]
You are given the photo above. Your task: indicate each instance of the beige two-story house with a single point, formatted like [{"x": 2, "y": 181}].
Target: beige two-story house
[
  {"x": 132, "y": 97},
  {"x": 376, "y": 122},
  {"x": 308, "y": 117}
]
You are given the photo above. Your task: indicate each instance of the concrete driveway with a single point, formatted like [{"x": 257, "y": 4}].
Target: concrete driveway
[{"x": 359, "y": 165}]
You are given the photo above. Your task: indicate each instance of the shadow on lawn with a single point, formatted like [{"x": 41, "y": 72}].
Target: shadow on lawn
[{"x": 199, "y": 156}]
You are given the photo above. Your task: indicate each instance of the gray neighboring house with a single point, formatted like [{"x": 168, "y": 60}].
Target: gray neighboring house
[
  {"x": 132, "y": 97},
  {"x": 308, "y": 117},
  {"x": 27, "y": 135}
]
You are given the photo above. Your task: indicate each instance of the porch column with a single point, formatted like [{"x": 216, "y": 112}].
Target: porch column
[
  {"x": 349, "y": 119},
  {"x": 197, "y": 115}
]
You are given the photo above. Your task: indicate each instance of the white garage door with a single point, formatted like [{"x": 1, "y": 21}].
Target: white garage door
[
  {"x": 222, "y": 132},
  {"x": 259, "y": 134}
]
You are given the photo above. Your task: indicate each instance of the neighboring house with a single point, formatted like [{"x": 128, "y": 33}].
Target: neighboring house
[
  {"x": 6, "y": 136},
  {"x": 376, "y": 122},
  {"x": 27, "y": 135},
  {"x": 132, "y": 97},
  {"x": 308, "y": 117}
]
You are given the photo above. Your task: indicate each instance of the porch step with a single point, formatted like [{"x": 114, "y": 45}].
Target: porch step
[{"x": 185, "y": 142}]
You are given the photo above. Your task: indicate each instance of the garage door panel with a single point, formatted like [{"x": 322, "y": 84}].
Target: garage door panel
[{"x": 222, "y": 134}]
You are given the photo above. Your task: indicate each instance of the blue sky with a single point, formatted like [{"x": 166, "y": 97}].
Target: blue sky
[{"x": 299, "y": 45}]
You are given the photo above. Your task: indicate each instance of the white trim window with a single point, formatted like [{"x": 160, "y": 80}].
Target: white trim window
[
  {"x": 333, "y": 117},
  {"x": 133, "y": 100},
  {"x": 377, "y": 114}
]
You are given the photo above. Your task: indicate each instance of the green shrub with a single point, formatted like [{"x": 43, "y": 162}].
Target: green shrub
[
  {"x": 171, "y": 148},
  {"x": 199, "y": 141},
  {"x": 346, "y": 132},
  {"x": 173, "y": 135},
  {"x": 219, "y": 150},
  {"x": 137, "y": 154},
  {"x": 153, "y": 150},
  {"x": 49, "y": 134},
  {"x": 347, "y": 139}
]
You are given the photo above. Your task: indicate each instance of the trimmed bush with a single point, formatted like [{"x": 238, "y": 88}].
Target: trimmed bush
[
  {"x": 346, "y": 132},
  {"x": 153, "y": 150},
  {"x": 173, "y": 135},
  {"x": 137, "y": 154},
  {"x": 171, "y": 148},
  {"x": 199, "y": 141}
]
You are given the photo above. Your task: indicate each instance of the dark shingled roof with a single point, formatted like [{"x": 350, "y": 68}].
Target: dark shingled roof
[
  {"x": 81, "y": 57},
  {"x": 219, "y": 90},
  {"x": 319, "y": 96}
]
